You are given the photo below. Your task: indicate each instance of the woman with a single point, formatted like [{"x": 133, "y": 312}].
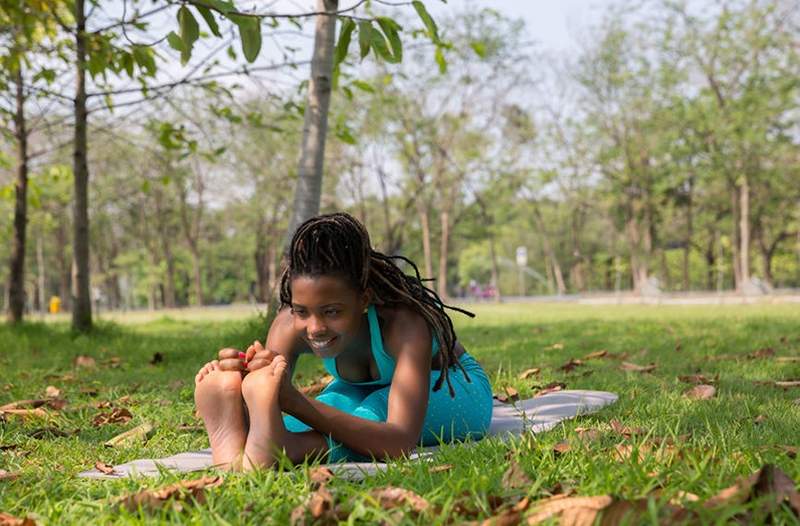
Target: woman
[{"x": 382, "y": 335}]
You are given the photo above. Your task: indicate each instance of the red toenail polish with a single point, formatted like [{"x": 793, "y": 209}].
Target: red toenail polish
[{"x": 242, "y": 355}]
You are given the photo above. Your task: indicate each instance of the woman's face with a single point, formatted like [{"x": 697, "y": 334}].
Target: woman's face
[{"x": 327, "y": 312}]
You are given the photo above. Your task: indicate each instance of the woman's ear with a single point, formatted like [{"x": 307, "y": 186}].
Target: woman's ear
[{"x": 366, "y": 299}]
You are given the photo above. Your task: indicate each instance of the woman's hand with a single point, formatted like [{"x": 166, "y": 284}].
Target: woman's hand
[{"x": 257, "y": 356}]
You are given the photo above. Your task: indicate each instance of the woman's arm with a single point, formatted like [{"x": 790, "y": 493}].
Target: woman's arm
[{"x": 408, "y": 399}]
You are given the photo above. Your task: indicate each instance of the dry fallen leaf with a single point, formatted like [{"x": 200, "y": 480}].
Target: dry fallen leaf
[
  {"x": 7, "y": 519},
  {"x": 118, "y": 415},
  {"x": 24, "y": 413},
  {"x": 506, "y": 517},
  {"x": 7, "y": 475},
  {"x": 140, "y": 432},
  {"x": 392, "y": 497},
  {"x": 104, "y": 468},
  {"x": 85, "y": 361},
  {"x": 701, "y": 392},
  {"x": 760, "y": 419},
  {"x": 596, "y": 354},
  {"x": 441, "y": 468},
  {"x": 628, "y": 366},
  {"x": 791, "y": 451},
  {"x": 769, "y": 485},
  {"x": 320, "y": 475},
  {"x": 626, "y": 431},
  {"x": 571, "y": 365},
  {"x": 510, "y": 395},
  {"x": 787, "y": 359},
  {"x": 561, "y": 448},
  {"x": 552, "y": 387},
  {"x": 157, "y": 358},
  {"x": 699, "y": 379},
  {"x": 764, "y": 352},
  {"x": 317, "y": 504},
  {"x": 515, "y": 477},
  {"x": 527, "y": 373},
  {"x": 90, "y": 391},
  {"x": 52, "y": 391},
  {"x": 573, "y": 510},
  {"x": 555, "y": 347},
  {"x": 788, "y": 383},
  {"x": 48, "y": 432},
  {"x": 184, "y": 491},
  {"x": 588, "y": 434}
]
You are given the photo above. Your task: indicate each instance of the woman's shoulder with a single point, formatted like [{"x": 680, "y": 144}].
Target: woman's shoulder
[{"x": 401, "y": 325}]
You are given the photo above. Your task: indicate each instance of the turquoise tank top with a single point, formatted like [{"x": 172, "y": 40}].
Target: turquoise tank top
[{"x": 386, "y": 364}]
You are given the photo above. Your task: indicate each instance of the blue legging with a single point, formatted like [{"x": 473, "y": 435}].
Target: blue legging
[{"x": 446, "y": 420}]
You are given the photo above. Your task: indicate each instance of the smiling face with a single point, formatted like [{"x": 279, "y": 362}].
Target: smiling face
[{"x": 328, "y": 313}]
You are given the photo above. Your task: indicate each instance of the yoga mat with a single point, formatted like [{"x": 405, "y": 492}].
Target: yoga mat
[{"x": 533, "y": 415}]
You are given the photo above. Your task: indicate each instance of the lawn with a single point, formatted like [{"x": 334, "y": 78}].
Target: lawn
[{"x": 656, "y": 450}]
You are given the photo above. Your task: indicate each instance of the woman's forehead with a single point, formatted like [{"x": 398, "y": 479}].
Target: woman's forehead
[{"x": 316, "y": 289}]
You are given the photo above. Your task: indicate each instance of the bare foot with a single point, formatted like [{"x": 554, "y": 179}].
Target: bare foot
[
  {"x": 218, "y": 397},
  {"x": 267, "y": 435}
]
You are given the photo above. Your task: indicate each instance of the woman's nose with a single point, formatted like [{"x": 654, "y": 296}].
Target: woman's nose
[{"x": 316, "y": 326}]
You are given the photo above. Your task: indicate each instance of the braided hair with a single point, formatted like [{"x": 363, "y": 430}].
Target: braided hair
[{"x": 338, "y": 244}]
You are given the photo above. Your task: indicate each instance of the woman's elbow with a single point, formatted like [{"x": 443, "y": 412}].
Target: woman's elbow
[{"x": 403, "y": 448}]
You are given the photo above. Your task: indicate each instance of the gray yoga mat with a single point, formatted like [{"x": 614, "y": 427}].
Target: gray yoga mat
[{"x": 532, "y": 415}]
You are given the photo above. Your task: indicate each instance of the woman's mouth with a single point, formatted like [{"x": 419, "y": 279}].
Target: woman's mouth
[{"x": 320, "y": 345}]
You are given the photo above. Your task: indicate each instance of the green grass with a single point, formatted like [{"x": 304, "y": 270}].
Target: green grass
[{"x": 716, "y": 440}]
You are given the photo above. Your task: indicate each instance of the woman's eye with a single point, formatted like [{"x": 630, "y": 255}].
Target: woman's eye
[
  {"x": 299, "y": 313},
  {"x": 331, "y": 312}
]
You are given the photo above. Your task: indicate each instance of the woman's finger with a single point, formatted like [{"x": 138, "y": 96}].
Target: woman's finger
[
  {"x": 231, "y": 364},
  {"x": 228, "y": 353}
]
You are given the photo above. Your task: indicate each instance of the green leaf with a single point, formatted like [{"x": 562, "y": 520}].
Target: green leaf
[
  {"x": 144, "y": 56},
  {"x": 175, "y": 42},
  {"x": 364, "y": 37},
  {"x": 363, "y": 86},
  {"x": 127, "y": 63},
  {"x": 479, "y": 48},
  {"x": 380, "y": 47},
  {"x": 440, "y": 60},
  {"x": 217, "y": 5},
  {"x": 190, "y": 31},
  {"x": 390, "y": 29},
  {"x": 250, "y": 33},
  {"x": 208, "y": 16},
  {"x": 347, "y": 92},
  {"x": 344, "y": 41},
  {"x": 430, "y": 25}
]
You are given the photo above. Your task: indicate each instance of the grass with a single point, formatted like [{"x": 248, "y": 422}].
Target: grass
[{"x": 714, "y": 441}]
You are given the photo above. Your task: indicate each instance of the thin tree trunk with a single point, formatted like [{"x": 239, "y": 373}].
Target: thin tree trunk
[
  {"x": 42, "y": 276},
  {"x": 744, "y": 229},
  {"x": 82, "y": 302},
  {"x": 687, "y": 248},
  {"x": 444, "y": 217},
  {"x": 737, "y": 274},
  {"x": 16, "y": 280},
  {"x": 64, "y": 268},
  {"x": 426, "y": 241},
  {"x": 711, "y": 261},
  {"x": 315, "y": 126},
  {"x": 550, "y": 253}
]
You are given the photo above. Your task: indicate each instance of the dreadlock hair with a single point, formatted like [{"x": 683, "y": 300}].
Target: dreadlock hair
[{"x": 338, "y": 244}]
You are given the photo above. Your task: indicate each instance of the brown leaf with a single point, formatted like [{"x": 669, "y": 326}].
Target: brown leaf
[
  {"x": 626, "y": 431},
  {"x": 764, "y": 352},
  {"x": 90, "y": 391},
  {"x": 596, "y": 354},
  {"x": 441, "y": 468},
  {"x": 760, "y": 419},
  {"x": 320, "y": 475},
  {"x": 571, "y": 365},
  {"x": 85, "y": 361},
  {"x": 6, "y": 519},
  {"x": 507, "y": 517},
  {"x": 317, "y": 504},
  {"x": 23, "y": 404},
  {"x": 48, "y": 432},
  {"x": 552, "y": 387},
  {"x": 787, "y": 359},
  {"x": 114, "y": 362},
  {"x": 157, "y": 358},
  {"x": 118, "y": 415},
  {"x": 511, "y": 395},
  {"x": 768, "y": 483},
  {"x": 788, "y": 383},
  {"x": 190, "y": 427},
  {"x": 628, "y": 366},
  {"x": 555, "y": 347},
  {"x": 104, "y": 468},
  {"x": 392, "y": 497},
  {"x": 577, "y": 511},
  {"x": 52, "y": 391},
  {"x": 183, "y": 491},
  {"x": 7, "y": 475},
  {"x": 588, "y": 434},
  {"x": 141, "y": 432},
  {"x": 515, "y": 477},
  {"x": 791, "y": 451},
  {"x": 317, "y": 387},
  {"x": 527, "y": 373},
  {"x": 561, "y": 448},
  {"x": 25, "y": 413},
  {"x": 701, "y": 392},
  {"x": 699, "y": 379}
]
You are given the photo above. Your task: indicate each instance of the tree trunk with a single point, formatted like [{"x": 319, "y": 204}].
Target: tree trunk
[
  {"x": 444, "y": 249},
  {"x": 744, "y": 229},
  {"x": 42, "y": 276},
  {"x": 64, "y": 268},
  {"x": 315, "y": 126},
  {"x": 711, "y": 261},
  {"x": 426, "y": 241},
  {"x": 549, "y": 253},
  {"x": 737, "y": 274},
  {"x": 82, "y": 302},
  {"x": 166, "y": 249},
  {"x": 197, "y": 273},
  {"x": 16, "y": 279},
  {"x": 495, "y": 279},
  {"x": 687, "y": 247}
]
